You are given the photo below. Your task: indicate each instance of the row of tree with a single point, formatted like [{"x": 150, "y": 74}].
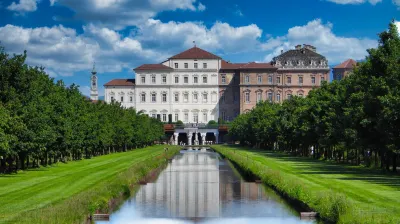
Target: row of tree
[
  {"x": 356, "y": 119},
  {"x": 43, "y": 122}
]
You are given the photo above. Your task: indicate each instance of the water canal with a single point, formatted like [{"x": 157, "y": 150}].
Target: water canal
[{"x": 198, "y": 186}]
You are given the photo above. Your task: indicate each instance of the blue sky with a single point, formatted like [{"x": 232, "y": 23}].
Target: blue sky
[{"x": 67, "y": 36}]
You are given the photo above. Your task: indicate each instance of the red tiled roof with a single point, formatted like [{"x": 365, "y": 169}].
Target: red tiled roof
[
  {"x": 195, "y": 53},
  {"x": 250, "y": 65},
  {"x": 153, "y": 67},
  {"x": 228, "y": 65},
  {"x": 121, "y": 82},
  {"x": 350, "y": 63},
  {"x": 254, "y": 65}
]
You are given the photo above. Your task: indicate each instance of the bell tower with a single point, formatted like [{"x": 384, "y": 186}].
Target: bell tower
[{"x": 94, "y": 94}]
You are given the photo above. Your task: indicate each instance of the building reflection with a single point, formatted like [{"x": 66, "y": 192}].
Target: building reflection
[{"x": 194, "y": 185}]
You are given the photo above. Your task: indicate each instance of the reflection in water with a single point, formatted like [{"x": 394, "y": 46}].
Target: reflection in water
[{"x": 198, "y": 186}]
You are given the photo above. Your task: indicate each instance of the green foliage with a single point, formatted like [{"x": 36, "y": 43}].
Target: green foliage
[
  {"x": 43, "y": 122},
  {"x": 340, "y": 194},
  {"x": 356, "y": 119},
  {"x": 212, "y": 122}
]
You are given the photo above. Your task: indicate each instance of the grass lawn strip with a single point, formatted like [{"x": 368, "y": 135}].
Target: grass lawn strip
[
  {"x": 371, "y": 193},
  {"x": 34, "y": 189}
]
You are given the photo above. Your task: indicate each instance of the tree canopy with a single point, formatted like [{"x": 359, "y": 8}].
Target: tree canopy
[
  {"x": 43, "y": 121},
  {"x": 355, "y": 119}
]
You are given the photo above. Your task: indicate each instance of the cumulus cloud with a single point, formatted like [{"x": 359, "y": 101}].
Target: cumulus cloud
[
  {"x": 222, "y": 37},
  {"x": 335, "y": 48},
  {"x": 62, "y": 52},
  {"x": 118, "y": 14},
  {"x": 355, "y": 2},
  {"x": 397, "y": 2},
  {"x": 23, "y": 6}
]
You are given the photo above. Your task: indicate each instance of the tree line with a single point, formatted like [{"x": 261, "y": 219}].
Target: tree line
[
  {"x": 43, "y": 121},
  {"x": 355, "y": 120}
]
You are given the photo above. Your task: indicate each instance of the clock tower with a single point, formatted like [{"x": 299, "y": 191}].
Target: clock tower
[{"x": 94, "y": 94}]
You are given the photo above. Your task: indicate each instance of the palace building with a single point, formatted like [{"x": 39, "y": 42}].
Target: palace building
[{"x": 196, "y": 86}]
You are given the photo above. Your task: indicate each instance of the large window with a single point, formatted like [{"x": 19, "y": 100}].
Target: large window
[
  {"x": 153, "y": 79},
  {"x": 204, "y": 65},
  {"x": 143, "y": 97},
  {"x": 205, "y": 96},
  {"x": 164, "y": 79},
  {"x": 186, "y": 80},
  {"x": 300, "y": 79},
  {"x": 176, "y": 96},
  {"x": 289, "y": 80},
  {"x": 270, "y": 79},
  {"x": 195, "y": 97},
  {"x": 204, "y": 79},
  {"x": 223, "y": 115},
  {"x": 269, "y": 96},
  {"x": 186, "y": 117},
  {"x": 195, "y": 65},
  {"x": 289, "y": 96},
  {"x": 223, "y": 79},
  {"x": 195, "y": 79},
  {"x": 259, "y": 96},
  {"x": 186, "y": 97},
  {"x": 247, "y": 79},
  {"x": 205, "y": 119},
  {"x": 143, "y": 79},
  {"x": 186, "y": 65},
  {"x": 164, "y": 117},
  {"x": 122, "y": 99},
  {"x": 153, "y": 97},
  {"x": 164, "y": 97},
  {"x": 176, "y": 79},
  {"x": 278, "y": 80},
  {"x": 112, "y": 99},
  {"x": 313, "y": 80},
  {"x": 247, "y": 97},
  {"x": 176, "y": 65},
  {"x": 259, "y": 79},
  {"x": 278, "y": 97},
  {"x": 176, "y": 117},
  {"x": 131, "y": 99},
  {"x": 196, "y": 118},
  {"x": 322, "y": 79}
]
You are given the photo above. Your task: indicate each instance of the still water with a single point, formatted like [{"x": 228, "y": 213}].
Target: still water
[{"x": 199, "y": 187}]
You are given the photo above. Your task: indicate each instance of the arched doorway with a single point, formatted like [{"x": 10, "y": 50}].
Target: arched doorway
[
  {"x": 182, "y": 138},
  {"x": 210, "y": 137}
]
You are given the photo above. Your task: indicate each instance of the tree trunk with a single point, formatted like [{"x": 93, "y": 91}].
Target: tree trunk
[
  {"x": 376, "y": 158},
  {"x": 394, "y": 162}
]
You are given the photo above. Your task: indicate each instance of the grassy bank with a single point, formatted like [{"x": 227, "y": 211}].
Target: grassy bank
[
  {"x": 65, "y": 193},
  {"x": 339, "y": 193}
]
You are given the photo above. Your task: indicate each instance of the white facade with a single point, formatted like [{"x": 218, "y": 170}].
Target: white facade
[{"x": 188, "y": 90}]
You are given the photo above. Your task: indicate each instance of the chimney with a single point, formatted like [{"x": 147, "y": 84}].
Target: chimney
[
  {"x": 298, "y": 47},
  {"x": 309, "y": 47}
]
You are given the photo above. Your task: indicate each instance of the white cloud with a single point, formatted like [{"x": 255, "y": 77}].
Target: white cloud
[
  {"x": 23, "y": 6},
  {"x": 201, "y": 7},
  {"x": 335, "y": 48},
  {"x": 172, "y": 36},
  {"x": 397, "y": 2},
  {"x": 118, "y": 14},
  {"x": 62, "y": 52},
  {"x": 397, "y": 23},
  {"x": 355, "y": 2}
]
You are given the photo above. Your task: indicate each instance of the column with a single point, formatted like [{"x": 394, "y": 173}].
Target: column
[
  {"x": 190, "y": 135},
  {"x": 196, "y": 138},
  {"x": 176, "y": 135},
  {"x": 216, "y": 134},
  {"x": 203, "y": 138}
]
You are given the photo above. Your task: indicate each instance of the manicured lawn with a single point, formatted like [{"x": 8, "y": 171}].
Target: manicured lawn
[
  {"x": 37, "y": 188},
  {"x": 370, "y": 190}
]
